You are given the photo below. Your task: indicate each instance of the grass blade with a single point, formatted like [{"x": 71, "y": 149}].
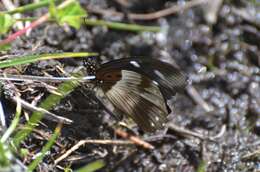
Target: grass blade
[
  {"x": 93, "y": 166},
  {"x": 33, "y": 58},
  {"x": 45, "y": 149},
  {"x": 122, "y": 26}
]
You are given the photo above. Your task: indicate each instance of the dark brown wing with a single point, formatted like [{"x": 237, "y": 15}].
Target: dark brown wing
[
  {"x": 137, "y": 96},
  {"x": 168, "y": 76}
]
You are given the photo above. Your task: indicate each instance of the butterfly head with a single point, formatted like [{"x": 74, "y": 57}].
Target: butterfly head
[{"x": 90, "y": 66}]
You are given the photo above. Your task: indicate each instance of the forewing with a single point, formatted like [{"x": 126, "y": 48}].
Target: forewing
[{"x": 169, "y": 77}]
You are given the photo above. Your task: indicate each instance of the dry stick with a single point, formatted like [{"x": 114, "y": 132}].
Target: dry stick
[
  {"x": 48, "y": 115},
  {"x": 83, "y": 142},
  {"x": 193, "y": 93},
  {"x": 221, "y": 132},
  {"x": 34, "y": 24},
  {"x": 252, "y": 154},
  {"x": 150, "y": 16},
  {"x": 134, "y": 139},
  {"x": 186, "y": 132}
]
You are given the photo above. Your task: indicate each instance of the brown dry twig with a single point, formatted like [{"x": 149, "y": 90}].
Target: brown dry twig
[
  {"x": 136, "y": 140},
  {"x": 149, "y": 16}
]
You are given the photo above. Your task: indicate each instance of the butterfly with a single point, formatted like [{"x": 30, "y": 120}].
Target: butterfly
[
  {"x": 136, "y": 87},
  {"x": 139, "y": 88}
]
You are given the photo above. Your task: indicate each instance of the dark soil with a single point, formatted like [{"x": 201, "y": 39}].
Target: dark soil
[{"x": 221, "y": 59}]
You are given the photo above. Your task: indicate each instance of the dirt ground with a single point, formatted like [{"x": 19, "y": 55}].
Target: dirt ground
[{"x": 222, "y": 59}]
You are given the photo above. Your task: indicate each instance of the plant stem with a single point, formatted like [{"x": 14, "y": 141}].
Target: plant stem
[
  {"x": 122, "y": 26},
  {"x": 29, "y": 7}
]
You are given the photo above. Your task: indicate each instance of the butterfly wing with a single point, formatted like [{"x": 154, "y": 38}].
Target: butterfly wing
[
  {"x": 168, "y": 76},
  {"x": 136, "y": 96}
]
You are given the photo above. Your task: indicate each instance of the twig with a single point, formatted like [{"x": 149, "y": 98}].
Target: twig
[
  {"x": 48, "y": 115},
  {"x": 186, "y": 132},
  {"x": 83, "y": 142},
  {"x": 193, "y": 93},
  {"x": 134, "y": 139},
  {"x": 221, "y": 132},
  {"x": 252, "y": 154},
  {"x": 149, "y": 16}
]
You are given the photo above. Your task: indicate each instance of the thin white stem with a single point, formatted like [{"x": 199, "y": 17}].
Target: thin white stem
[
  {"x": 2, "y": 115},
  {"x": 6, "y": 77}
]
